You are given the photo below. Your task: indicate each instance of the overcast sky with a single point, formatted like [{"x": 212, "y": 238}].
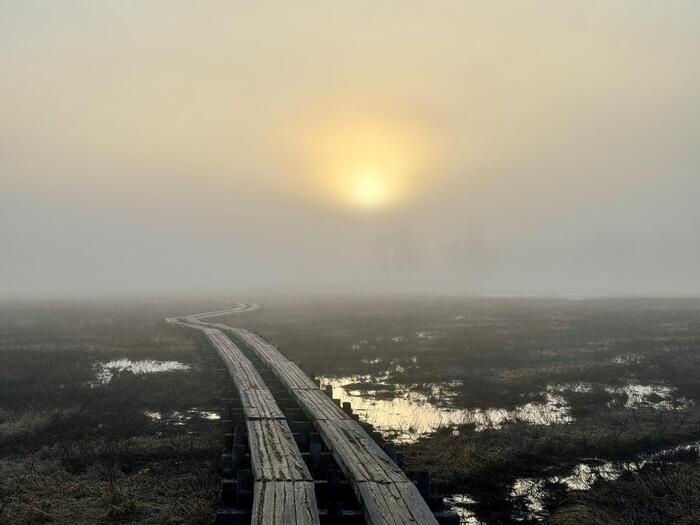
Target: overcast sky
[{"x": 452, "y": 147}]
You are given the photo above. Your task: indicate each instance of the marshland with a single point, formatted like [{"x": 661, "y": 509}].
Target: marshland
[{"x": 523, "y": 409}]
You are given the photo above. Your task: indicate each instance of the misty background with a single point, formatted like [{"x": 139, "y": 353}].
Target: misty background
[{"x": 152, "y": 147}]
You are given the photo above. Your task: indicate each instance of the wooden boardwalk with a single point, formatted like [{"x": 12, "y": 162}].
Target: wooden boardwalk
[
  {"x": 283, "y": 492},
  {"x": 387, "y": 496}
]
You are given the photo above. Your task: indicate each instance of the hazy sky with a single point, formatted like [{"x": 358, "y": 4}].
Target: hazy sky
[{"x": 453, "y": 146}]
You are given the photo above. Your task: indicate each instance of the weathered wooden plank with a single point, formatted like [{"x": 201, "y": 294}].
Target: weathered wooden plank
[
  {"x": 394, "y": 503},
  {"x": 284, "y": 503},
  {"x": 257, "y": 401},
  {"x": 242, "y": 371},
  {"x": 274, "y": 454},
  {"x": 266, "y": 351},
  {"x": 291, "y": 376},
  {"x": 259, "y": 404},
  {"x": 294, "y": 377},
  {"x": 239, "y": 308},
  {"x": 316, "y": 406},
  {"x": 358, "y": 455}
]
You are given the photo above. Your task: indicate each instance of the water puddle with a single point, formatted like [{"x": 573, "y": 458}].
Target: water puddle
[
  {"x": 628, "y": 359},
  {"x": 429, "y": 335},
  {"x": 657, "y": 396},
  {"x": 410, "y": 414},
  {"x": 461, "y": 504},
  {"x": 584, "y": 475},
  {"x": 104, "y": 372},
  {"x": 178, "y": 417}
]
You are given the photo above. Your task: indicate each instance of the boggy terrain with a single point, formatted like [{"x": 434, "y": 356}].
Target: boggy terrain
[
  {"x": 524, "y": 410},
  {"x": 536, "y": 409},
  {"x": 106, "y": 414}
]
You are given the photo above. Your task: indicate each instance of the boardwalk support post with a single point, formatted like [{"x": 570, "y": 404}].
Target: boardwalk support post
[
  {"x": 315, "y": 455},
  {"x": 244, "y": 489},
  {"x": 335, "y": 504},
  {"x": 228, "y": 492},
  {"x": 424, "y": 484},
  {"x": 227, "y": 465},
  {"x": 238, "y": 456}
]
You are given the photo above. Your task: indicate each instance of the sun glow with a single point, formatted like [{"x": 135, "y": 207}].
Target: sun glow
[
  {"x": 369, "y": 188},
  {"x": 366, "y": 163}
]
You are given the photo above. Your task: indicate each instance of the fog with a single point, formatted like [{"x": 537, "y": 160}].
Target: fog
[{"x": 540, "y": 147}]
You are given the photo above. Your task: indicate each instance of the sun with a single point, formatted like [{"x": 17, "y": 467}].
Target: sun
[
  {"x": 369, "y": 188},
  {"x": 366, "y": 163}
]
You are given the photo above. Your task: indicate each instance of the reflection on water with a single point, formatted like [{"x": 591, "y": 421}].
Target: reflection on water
[
  {"x": 176, "y": 417},
  {"x": 411, "y": 414},
  {"x": 584, "y": 475},
  {"x": 105, "y": 371},
  {"x": 628, "y": 359},
  {"x": 408, "y": 413},
  {"x": 429, "y": 335},
  {"x": 461, "y": 504},
  {"x": 660, "y": 397},
  {"x": 657, "y": 396}
]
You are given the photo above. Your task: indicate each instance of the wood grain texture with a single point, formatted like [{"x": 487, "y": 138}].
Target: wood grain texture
[
  {"x": 358, "y": 455},
  {"x": 284, "y": 503},
  {"x": 274, "y": 454},
  {"x": 291, "y": 376},
  {"x": 394, "y": 504},
  {"x": 316, "y": 406},
  {"x": 257, "y": 401}
]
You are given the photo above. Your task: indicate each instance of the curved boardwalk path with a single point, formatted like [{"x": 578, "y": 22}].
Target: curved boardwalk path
[
  {"x": 283, "y": 483},
  {"x": 283, "y": 492},
  {"x": 386, "y": 494}
]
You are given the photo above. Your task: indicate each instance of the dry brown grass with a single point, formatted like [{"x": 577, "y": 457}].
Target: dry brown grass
[
  {"x": 75, "y": 454},
  {"x": 142, "y": 479},
  {"x": 654, "y": 496}
]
